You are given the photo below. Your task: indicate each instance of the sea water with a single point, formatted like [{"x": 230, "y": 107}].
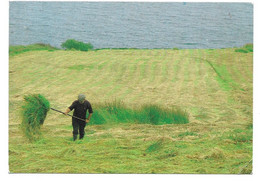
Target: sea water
[{"x": 132, "y": 24}]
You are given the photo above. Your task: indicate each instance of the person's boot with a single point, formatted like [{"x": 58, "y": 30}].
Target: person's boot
[
  {"x": 81, "y": 137},
  {"x": 74, "y": 137}
]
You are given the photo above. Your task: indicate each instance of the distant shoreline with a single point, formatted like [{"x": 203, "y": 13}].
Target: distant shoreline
[{"x": 16, "y": 49}]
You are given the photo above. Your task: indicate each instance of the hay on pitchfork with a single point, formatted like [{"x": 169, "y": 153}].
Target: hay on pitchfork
[{"x": 34, "y": 111}]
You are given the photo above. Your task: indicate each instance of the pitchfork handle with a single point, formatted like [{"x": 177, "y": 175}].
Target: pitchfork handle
[{"x": 68, "y": 114}]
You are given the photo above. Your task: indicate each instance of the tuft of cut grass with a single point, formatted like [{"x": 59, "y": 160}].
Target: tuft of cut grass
[
  {"x": 118, "y": 112},
  {"x": 154, "y": 147},
  {"x": 240, "y": 138},
  {"x": 157, "y": 115},
  {"x": 187, "y": 133},
  {"x": 216, "y": 154},
  {"x": 34, "y": 112},
  {"x": 97, "y": 118}
]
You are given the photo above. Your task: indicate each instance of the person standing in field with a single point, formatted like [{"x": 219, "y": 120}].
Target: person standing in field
[{"x": 80, "y": 107}]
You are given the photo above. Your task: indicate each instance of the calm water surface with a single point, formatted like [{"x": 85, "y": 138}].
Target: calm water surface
[{"x": 132, "y": 25}]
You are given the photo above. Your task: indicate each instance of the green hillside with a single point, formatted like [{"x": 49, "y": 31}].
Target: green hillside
[{"x": 214, "y": 86}]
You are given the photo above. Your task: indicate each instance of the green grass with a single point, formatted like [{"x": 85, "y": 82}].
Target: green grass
[
  {"x": 15, "y": 50},
  {"x": 245, "y": 49},
  {"x": 155, "y": 147},
  {"x": 72, "y": 44},
  {"x": 77, "y": 67},
  {"x": 142, "y": 131},
  {"x": 224, "y": 80},
  {"x": 117, "y": 112},
  {"x": 240, "y": 136},
  {"x": 187, "y": 133},
  {"x": 119, "y": 150},
  {"x": 34, "y": 112},
  {"x": 249, "y": 47},
  {"x": 241, "y": 50},
  {"x": 223, "y": 76}
]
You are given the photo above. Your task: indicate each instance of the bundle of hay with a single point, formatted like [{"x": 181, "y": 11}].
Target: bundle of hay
[{"x": 34, "y": 112}]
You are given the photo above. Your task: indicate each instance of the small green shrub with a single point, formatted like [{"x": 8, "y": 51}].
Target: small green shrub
[
  {"x": 72, "y": 44},
  {"x": 34, "y": 112}
]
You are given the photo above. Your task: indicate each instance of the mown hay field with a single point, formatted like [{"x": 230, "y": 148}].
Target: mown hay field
[{"x": 214, "y": 86}]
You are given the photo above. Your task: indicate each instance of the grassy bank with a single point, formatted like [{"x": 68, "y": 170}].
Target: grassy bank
[
  {"x": 213, "y": 86},
  {"x": 15, "y": 50}
]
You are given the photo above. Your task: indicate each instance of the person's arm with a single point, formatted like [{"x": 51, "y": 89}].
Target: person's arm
[
  {"x": 89, "y": 116},
  {"x": 90, "y": 113},
  {"x": 70, "y": 108},
  {"x": 67, "y": 111}
]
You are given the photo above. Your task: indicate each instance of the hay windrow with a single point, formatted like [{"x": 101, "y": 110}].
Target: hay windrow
[{"x": 34, "y": 112}]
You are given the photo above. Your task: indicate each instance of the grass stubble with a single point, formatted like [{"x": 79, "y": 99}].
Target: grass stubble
[{"x": 217, "y": 139}]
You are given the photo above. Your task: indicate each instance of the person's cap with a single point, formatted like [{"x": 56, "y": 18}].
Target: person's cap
[{"x": 81, "y": 97}]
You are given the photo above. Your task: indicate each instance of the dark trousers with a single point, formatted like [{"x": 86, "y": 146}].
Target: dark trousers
[{"x": 78, "y": 128}]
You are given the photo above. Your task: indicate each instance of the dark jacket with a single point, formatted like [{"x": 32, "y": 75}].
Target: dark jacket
[{"x": 80, "y": 110}]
